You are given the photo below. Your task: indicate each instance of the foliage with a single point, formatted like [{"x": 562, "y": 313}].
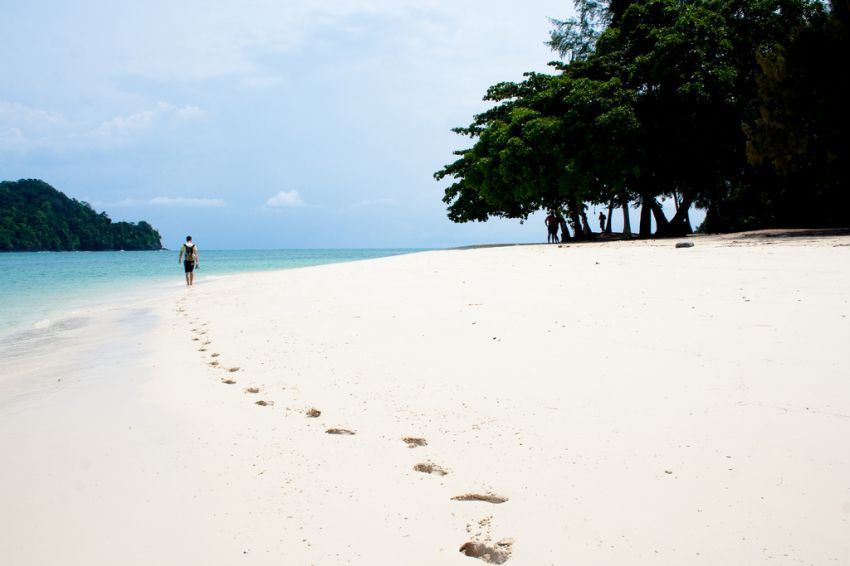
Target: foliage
[
  {"x": 800, "y": 132},
  {"x": 575, "y": 38},
  {"x": 36, "y": 217},
  {"x": 653, "y": 103}
]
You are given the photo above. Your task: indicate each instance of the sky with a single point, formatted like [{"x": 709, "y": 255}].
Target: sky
[{"x": 260, "y": 123}]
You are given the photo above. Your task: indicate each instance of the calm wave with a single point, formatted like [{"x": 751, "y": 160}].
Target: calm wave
[{"x": 35, "y": 288}]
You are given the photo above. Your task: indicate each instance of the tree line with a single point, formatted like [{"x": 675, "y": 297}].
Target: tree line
[
  {"x": 737, "y": 107},
  {"x": 36, "y": 217}
]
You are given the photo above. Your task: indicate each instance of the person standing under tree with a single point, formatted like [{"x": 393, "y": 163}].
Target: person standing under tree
[
  {"x": 191, "y": 261},
  {"x": 552, "y": 224},
  {"x": 602, "y": 221}
]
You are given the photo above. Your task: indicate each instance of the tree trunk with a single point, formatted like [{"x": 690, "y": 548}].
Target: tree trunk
[
  {"x": 565, "y": 232},
  {"x": 610, "y": 211},
  {"x": 645, "y": 217},
  {"x": 680, "y": 224},
  {"x": 627, "y": 223},
  {"x": 588, "y": 231},
  {"x": 687, "y": 222},
  {"x": 661, "y": 224},
  {"x": 575, "y": 218}
]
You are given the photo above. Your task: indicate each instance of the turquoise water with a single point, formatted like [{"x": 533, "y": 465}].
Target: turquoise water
[{"x": 38, "y": 288}]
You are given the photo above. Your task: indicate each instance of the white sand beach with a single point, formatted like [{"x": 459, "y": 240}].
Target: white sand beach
[{"x": 631, "y": 403}]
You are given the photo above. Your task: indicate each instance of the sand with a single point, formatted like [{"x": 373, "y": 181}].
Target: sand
[{"x": 620, "y": 403}]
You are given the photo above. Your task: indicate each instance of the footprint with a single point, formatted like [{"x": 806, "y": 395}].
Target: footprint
[
  {"x": 313, "y": 412},
  {"x": 343, "y": 431},
  {"x": 233, "y": 369},
  {"x": 430, "y": 468},
  {"x": 486, "y": 497},
  {"x": 263, "y": 403},
  {"x": 205, "y": 342},
  {"x": 228, "y": 381},
  {"x": 214, "y": 363},
  {"x": 202, "y": 349},
  {"x": 215, "y": 355},
  {"x": 413, "y": 442},
  {"x": 498, "y": 553},
  {"x": 251, "y": 390},
  {"x": 195, "y": 339}
]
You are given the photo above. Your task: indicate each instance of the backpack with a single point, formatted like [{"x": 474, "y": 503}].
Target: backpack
[{"x": 190, "y": 252}]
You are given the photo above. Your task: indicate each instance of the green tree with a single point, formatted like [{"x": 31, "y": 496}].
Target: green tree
[
  {"x": 800, "y": 131},
  {"x": 652, "y": 103},
  {"x": 36, "y": 217}
]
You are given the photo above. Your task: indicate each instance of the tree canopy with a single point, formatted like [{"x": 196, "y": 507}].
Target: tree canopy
[
  {"x": 36, "y": 217},
  {"x": 714, "y": 103}
]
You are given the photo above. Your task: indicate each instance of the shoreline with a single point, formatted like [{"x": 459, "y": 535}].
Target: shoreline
[
  {"x": 121, "y": 281},
  {"x": 632, "y": 403}
]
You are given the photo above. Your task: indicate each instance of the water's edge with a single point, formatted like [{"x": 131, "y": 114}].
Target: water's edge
[{"x": 39, "y": 290}]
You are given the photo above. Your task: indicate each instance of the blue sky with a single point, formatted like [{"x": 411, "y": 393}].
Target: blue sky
[{"x": 262, "y": 124}]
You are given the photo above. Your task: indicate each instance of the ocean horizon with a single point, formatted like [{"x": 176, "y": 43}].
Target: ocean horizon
[{"x": 38, "y": 289}]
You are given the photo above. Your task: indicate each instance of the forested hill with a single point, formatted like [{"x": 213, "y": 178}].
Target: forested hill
[{"x": 36, "y": 217}]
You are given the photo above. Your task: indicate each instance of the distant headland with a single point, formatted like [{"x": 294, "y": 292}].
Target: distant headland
[{"x": 36, "y": 217}]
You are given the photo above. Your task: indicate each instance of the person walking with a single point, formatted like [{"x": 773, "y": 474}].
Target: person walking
[
  {"x": 190, "y": 251},
  {"x": 552, "y": 224}
]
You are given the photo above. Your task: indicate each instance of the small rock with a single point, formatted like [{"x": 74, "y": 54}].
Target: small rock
[{"x": 685, "y": 245}]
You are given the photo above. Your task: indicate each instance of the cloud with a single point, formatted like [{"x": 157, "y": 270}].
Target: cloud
[
  {"x": 123, "y": 203},
  {"x": 285, "y": 199},
  {"x": 22, "y": 127},
  {"x": 120, "y": 128},
  {"x": 185, "y": 202},
  {"x": 13, "y": 138},
  {"x": 188, "y": 202},
  {"x": 125, "y": 125},
  {"x": 188, "y": 113},
  {"x": 26, "y": 128},
  {"x": 28, "y": 115}
]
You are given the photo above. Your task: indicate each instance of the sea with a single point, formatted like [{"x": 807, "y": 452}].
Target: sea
[{"x": 39, "y": 290}]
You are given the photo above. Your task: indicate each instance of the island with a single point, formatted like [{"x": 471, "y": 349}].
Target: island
[{"x": 36, "y": 217}]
